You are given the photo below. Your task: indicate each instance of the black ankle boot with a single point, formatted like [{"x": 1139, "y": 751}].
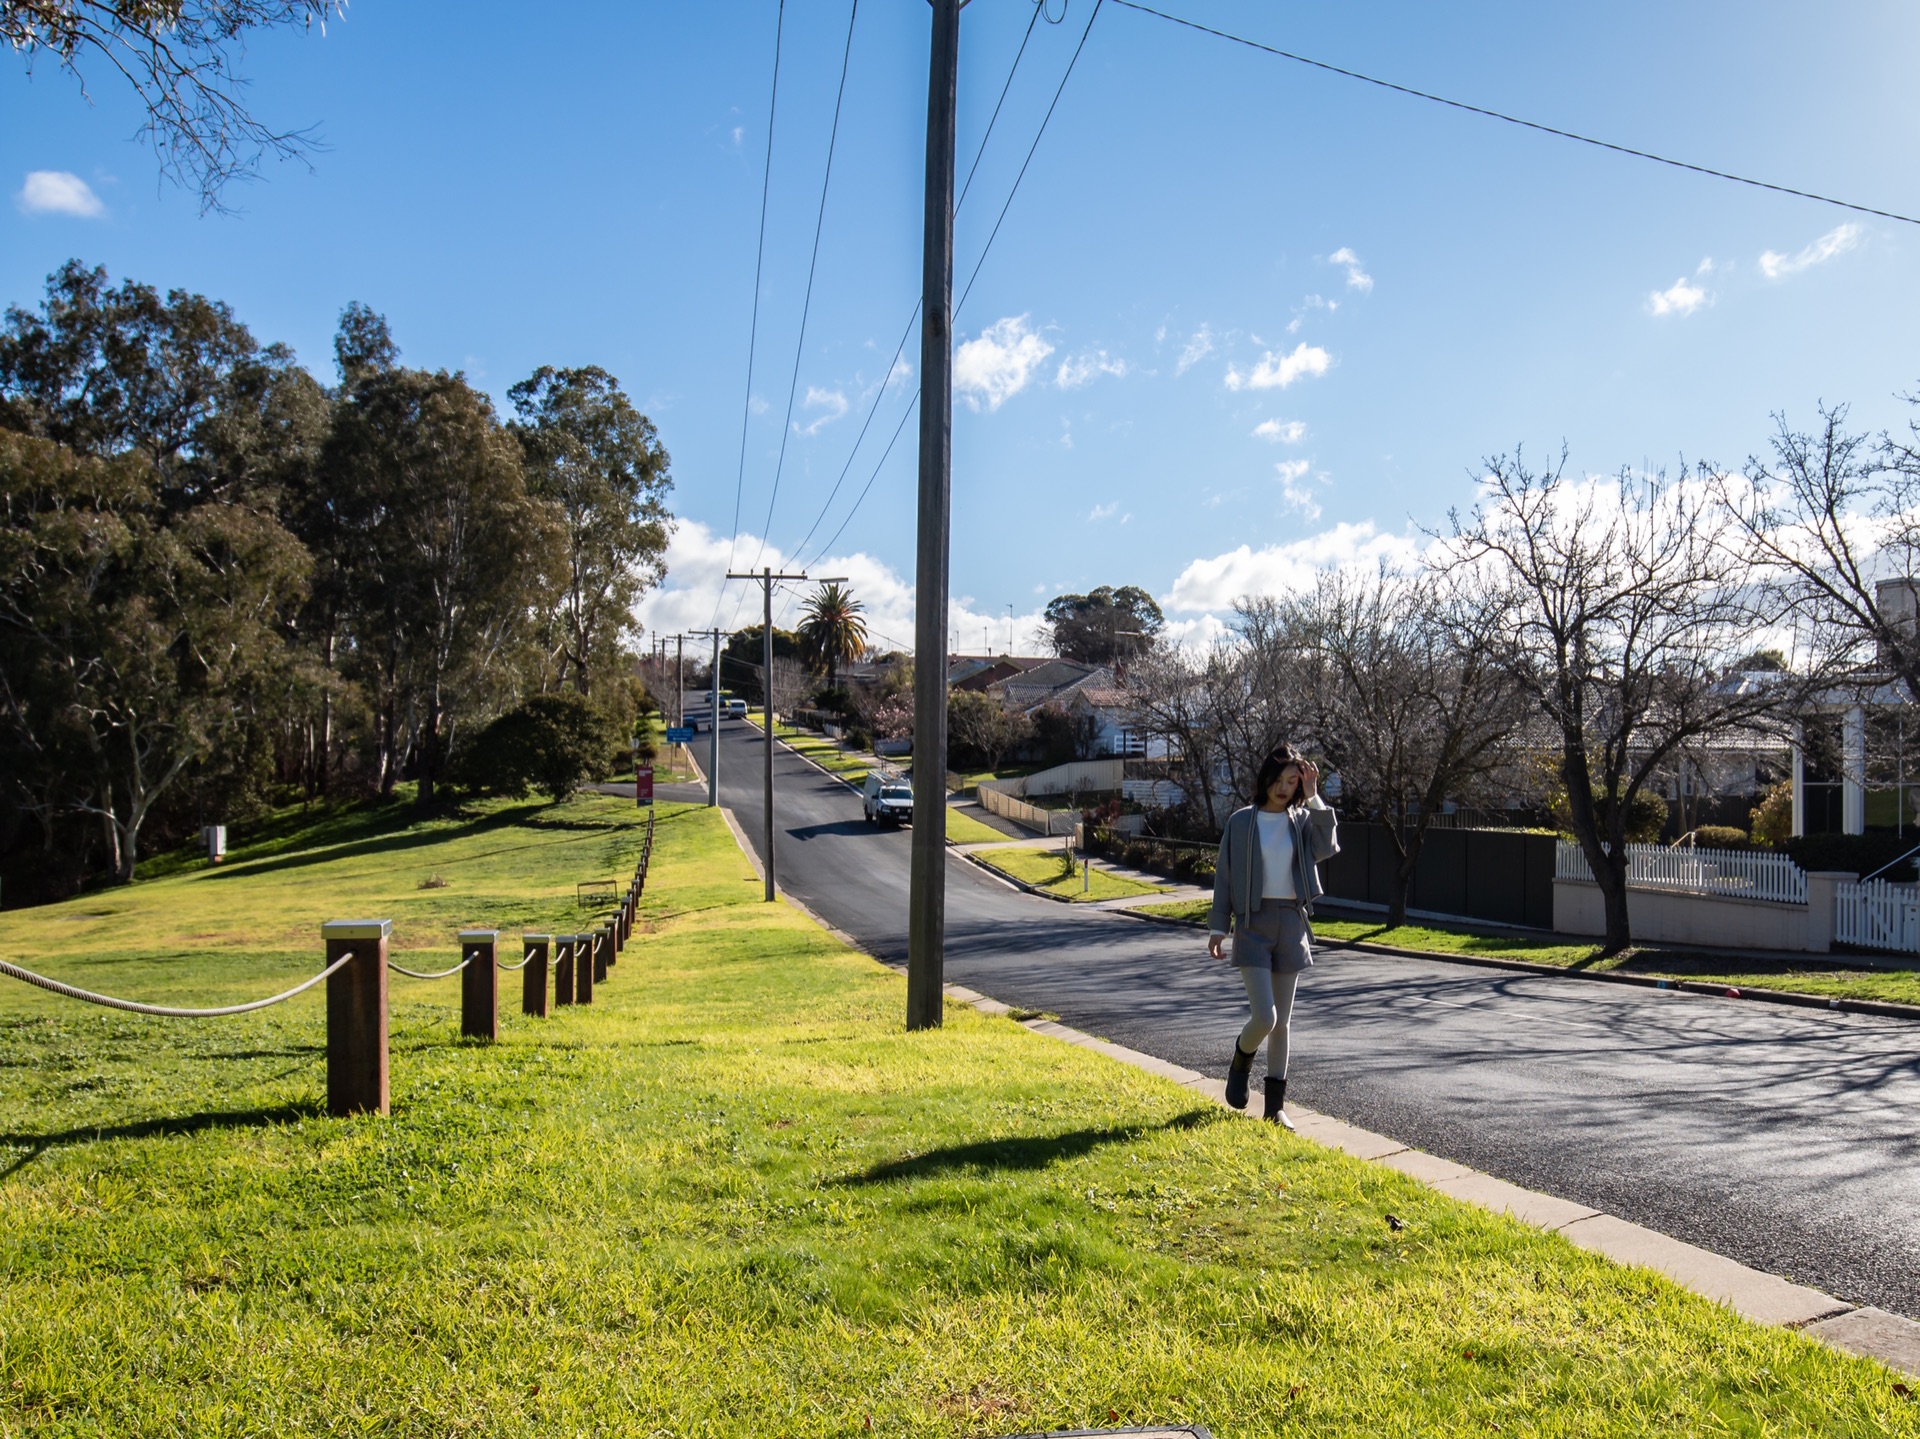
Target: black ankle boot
[
  {"x": 1237, "y": 1074},
  {"x": 1277, "y": 1103}
]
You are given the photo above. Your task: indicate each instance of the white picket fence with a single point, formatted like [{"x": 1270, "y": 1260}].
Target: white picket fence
[
  {"x": 1877, "y": 915},
  {"x": 1732, "y": 873}
]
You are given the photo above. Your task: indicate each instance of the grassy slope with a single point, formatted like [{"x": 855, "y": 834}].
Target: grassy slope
[
  {"x": 1809, "y": 977},
  {"x": 734, "y": 1197},
  {"x": 1048, "y": 869}
]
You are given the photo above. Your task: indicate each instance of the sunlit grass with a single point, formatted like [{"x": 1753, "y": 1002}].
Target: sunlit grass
[
  {"x": 1058, "y": 872},
  {"x": 736, "y": 1197},
  {"x": 1830, "y": 979}
]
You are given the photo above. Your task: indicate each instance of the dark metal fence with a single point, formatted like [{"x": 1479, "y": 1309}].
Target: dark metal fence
[{"x": 1501, "y": 875}]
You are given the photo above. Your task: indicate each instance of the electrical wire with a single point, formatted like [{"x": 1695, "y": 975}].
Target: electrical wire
[
  {"x": 806, "y": 305},
  {"x": 1038, "y": 135},
  {"x": 1516, "y": 120},
  {"x": 907, "y": 334},
  {"x": 753, "y": 333},
  {"x": 984, "y": 252}
]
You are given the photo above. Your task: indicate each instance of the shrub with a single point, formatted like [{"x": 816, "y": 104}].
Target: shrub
[
  {"x": 1772, "y": 819},
  {"x": 1721, "y": 836},
  {"x": 1646, "y": 815},
  {"x": 553, "y": 743},
  {"x": 1859, "y": 854}
]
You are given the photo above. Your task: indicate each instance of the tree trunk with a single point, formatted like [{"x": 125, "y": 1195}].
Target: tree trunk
[
  {"x": 430, "y": 747},
  {"x": 389, "y": 761},
  {"x": 325, "y": 756},
  {"x": 1612, "y": 878}
]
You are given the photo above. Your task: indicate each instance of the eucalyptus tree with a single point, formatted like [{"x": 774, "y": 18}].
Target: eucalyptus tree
[
  {"x": 443, "y": 554},
  {"x": 599, "y": 463}
]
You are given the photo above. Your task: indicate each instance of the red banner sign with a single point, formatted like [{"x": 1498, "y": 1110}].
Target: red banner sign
[{"x": 643, "y": 784}]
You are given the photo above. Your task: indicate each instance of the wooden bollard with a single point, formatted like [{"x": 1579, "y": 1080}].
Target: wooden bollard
[
  {"x": 533, "y": 975},
  {"x": 602, "y": 953},
  {"x": 583, "y": 969},
  {"x": 562, "y": 969},
  {"x": 357, "y": 1016},
  {"x": 479, "y": 985}
]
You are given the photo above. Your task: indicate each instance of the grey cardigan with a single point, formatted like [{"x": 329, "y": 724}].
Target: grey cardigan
[{"x": 1238, "y": 871}]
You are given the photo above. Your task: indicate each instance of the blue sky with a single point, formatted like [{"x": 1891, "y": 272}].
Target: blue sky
[{"x": 1242, "y": 317}]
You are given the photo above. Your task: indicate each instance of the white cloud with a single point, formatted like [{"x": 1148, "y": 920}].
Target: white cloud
[
  {"x": 56, "y": 192},
  {"x": 1298, "y": 496},
  {"x": 1195, "y": 350},
  {"x": 832, "y": 403},
  {"x": 1104, "y": 512},
  {"x": 1084, "y": 369},
  {"x": 1276, "y": 371},
  {"x": 757, "y": 405},
  {"x": 1281, "y": 432},
  {"x": 1357, "y": 277},
  {"x": 1837, "y": 241},
  {"x": 1214, "y": 584},
  {"x": 697, "y": 563},
  {"x": 996, "y": 365},
  {"x": 1682, "y": 298}
]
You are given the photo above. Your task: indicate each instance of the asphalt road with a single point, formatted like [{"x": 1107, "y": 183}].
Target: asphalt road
[{"x": 1788, "y": 1139}]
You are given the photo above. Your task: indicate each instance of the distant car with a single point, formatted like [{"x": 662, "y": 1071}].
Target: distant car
[
  {"x": 736, "y": 709},
  {"x": 888, "y": 797}
]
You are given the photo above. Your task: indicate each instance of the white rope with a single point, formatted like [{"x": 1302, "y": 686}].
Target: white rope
[
  {"x": 437, "y": 974},
  {"x": 162, "y": 1010},
  {"x": 510, "y": 968}
]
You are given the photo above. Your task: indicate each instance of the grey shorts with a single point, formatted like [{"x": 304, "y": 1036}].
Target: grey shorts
[{"x": 1277, "y": 938}]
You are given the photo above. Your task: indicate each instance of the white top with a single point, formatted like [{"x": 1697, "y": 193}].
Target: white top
[{"x": 1276, "y": 854}]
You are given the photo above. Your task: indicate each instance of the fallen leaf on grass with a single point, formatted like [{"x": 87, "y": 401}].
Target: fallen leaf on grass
[{"x": 1396, "y": 1223}]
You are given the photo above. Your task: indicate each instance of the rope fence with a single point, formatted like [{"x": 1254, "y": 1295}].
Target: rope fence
[
  {"x": 167, "y": 1011},
  {"x": 434, "y": 974},
  {"x": 355, "y": 971}
]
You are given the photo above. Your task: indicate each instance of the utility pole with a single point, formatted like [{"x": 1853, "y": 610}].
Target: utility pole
[
  {"x": 713, "y": 738},
  {"x": 927, "y": 902},
  {"x": 766, "y": 578}
]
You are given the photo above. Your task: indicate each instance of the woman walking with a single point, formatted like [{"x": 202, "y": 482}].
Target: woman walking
[{"x": 1264, "y": 886}]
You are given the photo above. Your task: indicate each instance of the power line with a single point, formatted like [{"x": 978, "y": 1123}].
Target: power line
[
  {"x": 806, "y": 306},
  {"x": 1516, "y": 120},
  {"x": 994, "y": 234},
  {"x": 753, "y": 334},
  {"x": 1058, "y": 92},
  {"x": 907, "y": 334}
]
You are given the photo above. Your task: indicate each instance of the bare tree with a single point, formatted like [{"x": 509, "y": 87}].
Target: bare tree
[
  {"x": 1413, "y": 708},
  {"x": 182, "y": 59},
  {"x": 1830, "y": 519},
  {"x": 1621, "y": 607}
]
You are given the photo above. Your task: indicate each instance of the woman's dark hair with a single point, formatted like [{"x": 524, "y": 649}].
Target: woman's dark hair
[{"x": 1277, "y": 760}]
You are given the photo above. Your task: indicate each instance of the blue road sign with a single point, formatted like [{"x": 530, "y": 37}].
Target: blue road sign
[{"x": 679, "y": 734}]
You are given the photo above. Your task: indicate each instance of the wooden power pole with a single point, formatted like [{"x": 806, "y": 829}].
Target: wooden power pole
[{"x": 927, "y": 902}]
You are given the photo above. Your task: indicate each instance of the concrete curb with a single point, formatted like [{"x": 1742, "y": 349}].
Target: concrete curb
[
  {"x": 1881, "y": 1008},
  {"x": 1871, "y": 1333}
]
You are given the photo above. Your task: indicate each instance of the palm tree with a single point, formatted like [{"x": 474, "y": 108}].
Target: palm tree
[{"x": 832, "y": 630}]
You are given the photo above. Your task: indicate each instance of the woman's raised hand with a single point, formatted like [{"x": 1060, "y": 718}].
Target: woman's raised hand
[{"x": 1309, "y": 779}]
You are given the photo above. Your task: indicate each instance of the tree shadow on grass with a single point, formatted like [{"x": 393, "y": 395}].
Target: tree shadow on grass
[
  {"x": 265, "y": 1117},
  {"x": 1026, "y": 1152}
]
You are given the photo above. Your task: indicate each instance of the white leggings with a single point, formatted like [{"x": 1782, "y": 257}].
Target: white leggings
[{"x": 1270, "y": 997}]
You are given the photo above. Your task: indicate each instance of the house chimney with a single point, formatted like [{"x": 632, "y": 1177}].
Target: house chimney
[{"x": 1899, "y": 607}]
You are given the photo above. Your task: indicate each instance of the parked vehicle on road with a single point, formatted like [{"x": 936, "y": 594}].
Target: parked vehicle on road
[
  {"x": 736, "y": 709},
  {"x": 888, "y": 797}
]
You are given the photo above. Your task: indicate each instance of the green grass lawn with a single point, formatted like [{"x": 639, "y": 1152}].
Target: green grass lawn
[
  {"x": 1833, "y": 978},
  {"x": 1052, "y": 871},
  {"x": 735, "y": 1197},
  {"x": 965, "y": 829}
]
